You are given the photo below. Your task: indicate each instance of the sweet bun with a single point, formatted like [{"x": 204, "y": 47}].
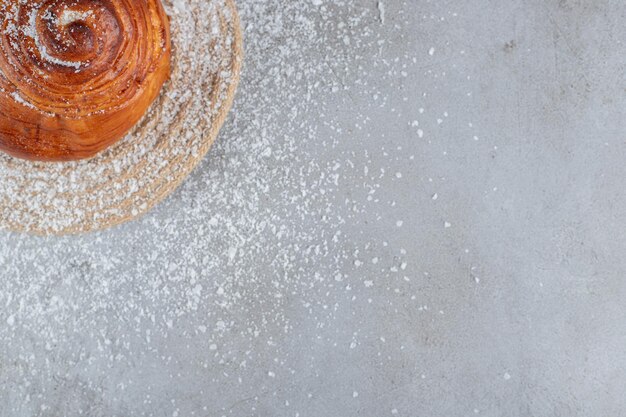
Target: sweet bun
[{"x": 77, "y": 75}]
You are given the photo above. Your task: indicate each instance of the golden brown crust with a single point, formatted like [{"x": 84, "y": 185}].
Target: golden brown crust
[{"x": 77, "y": 75}]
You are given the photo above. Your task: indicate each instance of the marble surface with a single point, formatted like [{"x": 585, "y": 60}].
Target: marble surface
[{"x": 416, "y": 208}]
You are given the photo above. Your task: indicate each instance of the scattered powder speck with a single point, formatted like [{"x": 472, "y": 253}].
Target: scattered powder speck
[{"x": 269, "y": 268}]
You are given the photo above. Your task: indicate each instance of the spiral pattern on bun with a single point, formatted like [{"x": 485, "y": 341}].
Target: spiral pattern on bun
[{"x": 77, "y": 75}]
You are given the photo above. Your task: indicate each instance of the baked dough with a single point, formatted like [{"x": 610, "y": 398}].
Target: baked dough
[{"x": 77, "y": 75}]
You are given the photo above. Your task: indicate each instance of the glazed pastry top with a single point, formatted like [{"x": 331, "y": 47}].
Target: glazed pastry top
[{"x": 76, "y": 75}]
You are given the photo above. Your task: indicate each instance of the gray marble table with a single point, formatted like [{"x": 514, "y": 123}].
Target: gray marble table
[{"x": 416, "y": 208}]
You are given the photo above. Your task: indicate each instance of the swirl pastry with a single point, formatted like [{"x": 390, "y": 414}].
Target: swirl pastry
[{"x": 77, "y": 75}]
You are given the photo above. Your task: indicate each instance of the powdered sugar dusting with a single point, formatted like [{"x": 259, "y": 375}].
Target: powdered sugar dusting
[
  {"x": 31, "y": 31},
  {"x": 71, "y": 16},
  {"x": 235, "y": 284}
]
